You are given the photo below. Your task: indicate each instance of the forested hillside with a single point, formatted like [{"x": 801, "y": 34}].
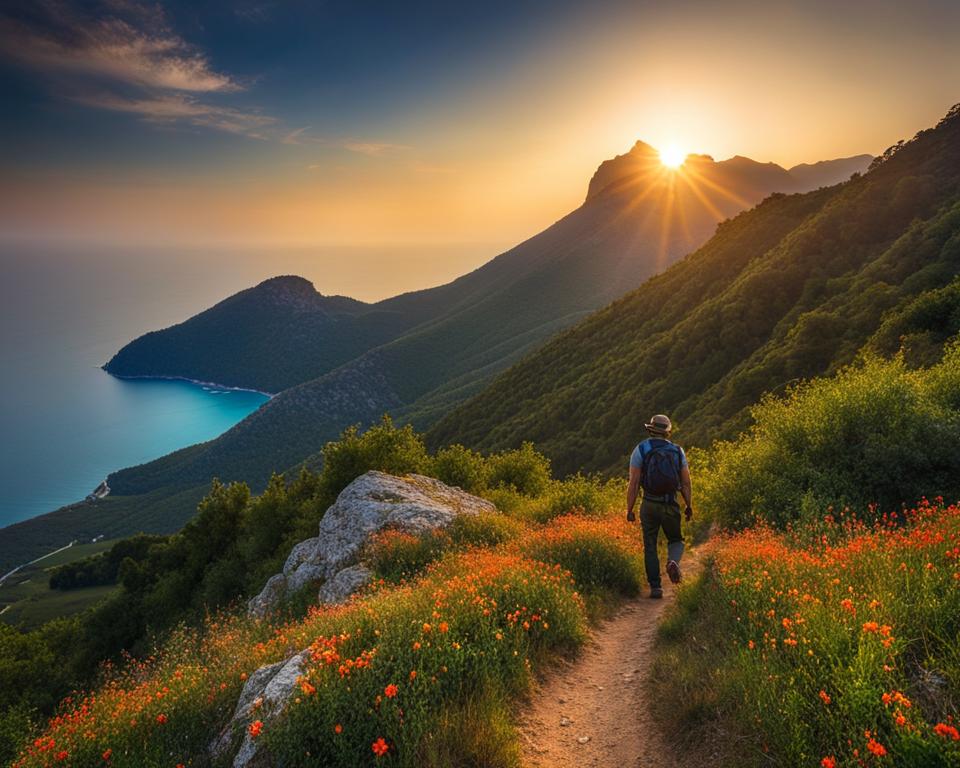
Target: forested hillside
[
  {"x": 269, "y": 337},
  {"x": 792, "y": 289}
]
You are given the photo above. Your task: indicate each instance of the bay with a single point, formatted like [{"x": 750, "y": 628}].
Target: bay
[{"x": 64, "y": 423}]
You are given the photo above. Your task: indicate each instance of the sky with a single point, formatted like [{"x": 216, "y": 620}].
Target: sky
[{"x": 455, "y": 129}]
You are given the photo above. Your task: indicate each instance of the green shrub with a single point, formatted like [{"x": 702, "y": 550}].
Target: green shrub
[
  {"x": 510, "y": 502},
  {"x": 383, "y": 447},
  {"x": 871, "y": 435},
  {"x": 395, "y": 556},
  {"x": 583, "y": 495},
  {"x": 459, "y": 466},
  {"x": 602, "y": 554},
  {"x": 523, "y": 469},
  {"x": 485, "y": 530}
]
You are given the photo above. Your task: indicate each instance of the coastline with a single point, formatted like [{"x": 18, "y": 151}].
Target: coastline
[
  {"x": 102, "y": 489},
  {"x": 212, "y": 384}
]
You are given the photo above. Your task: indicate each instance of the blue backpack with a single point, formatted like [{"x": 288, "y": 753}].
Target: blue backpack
[{"x": 661, "y": 469}]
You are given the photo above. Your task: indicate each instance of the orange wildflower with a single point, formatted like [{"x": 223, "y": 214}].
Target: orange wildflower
[
  {"x": 946, "y": 731},
  {"x": 379, "y": 747},
  {"x": 255, "y": 728}
]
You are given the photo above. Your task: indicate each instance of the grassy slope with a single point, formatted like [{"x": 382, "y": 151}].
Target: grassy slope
[
  {"x": 790, "y": 289},
  {"x": 27, "y": 600}
]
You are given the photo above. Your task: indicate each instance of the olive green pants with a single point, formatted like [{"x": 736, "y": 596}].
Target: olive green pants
[{"x": 655, "y": 515}]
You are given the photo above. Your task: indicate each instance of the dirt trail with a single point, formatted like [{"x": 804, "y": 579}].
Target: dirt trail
[{"x": 600, "y": 696}]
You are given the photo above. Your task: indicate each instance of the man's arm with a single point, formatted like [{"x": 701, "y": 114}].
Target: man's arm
[
  {"x": 633, "y": 488},
  {"x": 686, "y": 490}
]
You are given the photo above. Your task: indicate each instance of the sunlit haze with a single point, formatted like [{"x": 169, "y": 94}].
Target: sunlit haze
[
  {"x": 672, "y": 156},
  {"x": 456, "y": 131}
]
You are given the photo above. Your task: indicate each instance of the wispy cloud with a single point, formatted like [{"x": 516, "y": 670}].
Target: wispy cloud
[
  {"x": 358, "y": 146},
  {"x": 372, "y": 148},
  {"x": 124, "y": 56},
  {"x": 173, "y": 108},
  {"x": 113, "y": 48}
]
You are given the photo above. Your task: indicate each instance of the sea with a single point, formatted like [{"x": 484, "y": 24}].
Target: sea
[
  {"x": 65, "y": 424},
  {"x": 66, "y": 308}
]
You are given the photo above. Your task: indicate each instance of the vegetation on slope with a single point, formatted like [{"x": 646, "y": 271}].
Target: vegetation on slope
[
  {"x": 833, "y": 644},
  {"x": 792, "y": 289},
  {"x": 825, "y": 632},
  {"x": 872, "y": 435},
  {"x": 421, "y": 668},
  {"x": 269, "y": 337},
  {"x": 236, "y": 541}
]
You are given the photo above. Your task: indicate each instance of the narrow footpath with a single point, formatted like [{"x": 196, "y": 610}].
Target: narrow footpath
[{"x": 592, "y": 712}]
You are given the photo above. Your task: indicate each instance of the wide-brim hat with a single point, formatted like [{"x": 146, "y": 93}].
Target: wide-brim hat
[{"x": 660, "y": 424}]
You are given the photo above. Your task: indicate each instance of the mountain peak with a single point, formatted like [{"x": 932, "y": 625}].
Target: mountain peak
[
  {"x": 286, "y": 283},
  {"x": 643, "y": 149}
]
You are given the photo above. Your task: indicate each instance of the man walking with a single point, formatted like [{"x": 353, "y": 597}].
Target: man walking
[{"x": 660, "y": 468}]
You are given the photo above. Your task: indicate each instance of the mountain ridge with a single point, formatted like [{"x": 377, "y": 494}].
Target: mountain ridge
[{"x": 747, "y": 315}]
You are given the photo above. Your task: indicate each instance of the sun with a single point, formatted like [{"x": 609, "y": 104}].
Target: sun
[{"x": 672, "y": 156}]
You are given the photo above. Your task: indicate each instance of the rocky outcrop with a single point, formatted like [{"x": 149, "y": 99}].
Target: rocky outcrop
[
  {"x": 264, "y": 696},
  {"x": 376, "y": 500},
  {"x": 371, "y": 503},
  {"x": 344, "y": 584}
]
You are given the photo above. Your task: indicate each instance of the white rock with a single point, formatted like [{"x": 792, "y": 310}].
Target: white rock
[
  {"x": 583, "y": 739},
  {"x": 304, "y": 552},
  {"x": 279, "y": 688},
  {"x": 252, "y": 689},
  {"x": 377, "y": 500},
  {"x": 304, "y": 575},
  {"x": 269, "y": 597},
  {"x": 344, "y": 583}
]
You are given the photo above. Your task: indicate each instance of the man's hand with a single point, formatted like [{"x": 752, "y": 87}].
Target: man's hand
[
  {"x": 688, "y": 513},
  {"x": 630, "y": 516}
]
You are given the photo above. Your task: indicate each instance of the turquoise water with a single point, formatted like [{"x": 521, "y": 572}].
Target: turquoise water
[{"x": 64, "y": 423}]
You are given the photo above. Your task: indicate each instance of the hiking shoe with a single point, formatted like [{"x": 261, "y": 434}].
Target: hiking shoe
[
  {"x": 673, "y": 571},
  {"x": 656, "y": 593}
]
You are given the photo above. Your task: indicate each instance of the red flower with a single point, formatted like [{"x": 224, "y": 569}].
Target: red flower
[
  {"x": 876, "y": 748},
  {"x": 946, "y": 731},
  {"x": 379, "y": 747},
  {"x": 161, "y": 718},
  {"x": 255, "y": 728},
  {"x": 828, "y": 762},
  {"x": 825, "y": 697},
  {"x": 390, "y": 691}
]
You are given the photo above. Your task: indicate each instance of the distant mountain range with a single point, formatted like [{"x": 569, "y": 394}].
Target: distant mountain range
[
  {"x": 791, "y": 289},
  {"x": 335, "y": 361},
  {"x": 637, "y": 218}
]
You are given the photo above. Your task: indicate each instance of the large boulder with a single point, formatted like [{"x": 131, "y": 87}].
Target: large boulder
[
  {"x": 376, "y": 500},
  {"x": 338, "y": 588},
  {"x": 372, "y": 502}
]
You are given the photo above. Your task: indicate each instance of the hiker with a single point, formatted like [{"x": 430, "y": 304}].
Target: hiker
[{"x": 660, "y": 468}]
